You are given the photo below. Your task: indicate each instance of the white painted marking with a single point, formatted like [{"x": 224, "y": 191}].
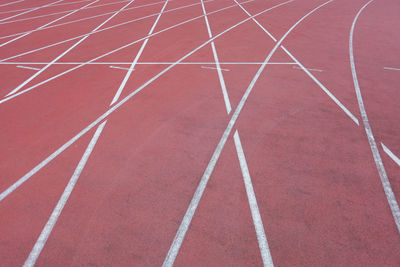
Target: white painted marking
[
  {"x": 390, "y": 154},
  {"x": 47, "y": 24},
  {"x": 299, "y": 68},
  {"x": 184, "y": 226},
  {"x": 213, "y": 68},
  {"x": 132, "y": 67},
  {"x": 42, "y": 164},
  {"x": 113, "y": 51},
  {"x": 115, "y": 67},
  {"x": 25, "y": 67},
  {"x": 81, "y": 19},
  {"x": 12, "y": 3},
  {"x": 348, "y": 113},
  {"x": 255, "y": 212},
  {"x": 148, "y": 63},
  {"x": 64, "y": 53},
  {"x": 41, "y": 241},
  {"x": 30, "y": 8},
  {"x": 394, "y": 206},
  {"x": 220, "y": 76},
  {"x": 28, "y": 11},
  {"x": 389, "y": 68}
]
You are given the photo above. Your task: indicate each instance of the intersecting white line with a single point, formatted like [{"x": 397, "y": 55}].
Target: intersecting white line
[
  {"x": 65, "y": 52},
  {"x": 220, "y": 76},
  {"x": 147, "y": 63},
  {"x": 41, "y": 241},
  {"x": 348, "y": 113},
  {"x": 109, "y": 53},
  {"x": 122, "y": 24},
  {"x": 84, "y": 18},
  {"x": 47, "y": 24},
  {"x": 30, "y": 8},
  {"x": 255, "y": 212},
  {"x": 391, "y": 199},
  {"x": 25, "y": 12},
  {"x": 187, "y": 218}
]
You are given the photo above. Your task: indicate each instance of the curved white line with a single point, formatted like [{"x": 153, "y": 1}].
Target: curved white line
[{"x": 394, "y": 206}]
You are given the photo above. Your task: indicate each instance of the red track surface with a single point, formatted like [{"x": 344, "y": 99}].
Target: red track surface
[{"x": 318, "y": 190}]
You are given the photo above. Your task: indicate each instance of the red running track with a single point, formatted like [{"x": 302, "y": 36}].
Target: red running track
[{"x": 193, "y": 133}]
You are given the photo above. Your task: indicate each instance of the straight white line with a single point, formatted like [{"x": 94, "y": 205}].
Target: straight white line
[
  {"x": 25, "y": 67},
  {"x": 184, "y": 226},
  {"x": 65, "y": 52},
  {"x": 348, "y": 113},
  {"x": 220, "y": 76},
  {"x": 37, "y": 249},
  {"x": 148, "y": 63},
  {"x": 115, "y": 67},
  {"x": 61, "y": 149},
  {"x": 33, "y": 256},
  {"x": 216, "y": 68},
  {"x": 122, "y": 24},
  {"x": 390, "y": 154},
  {"x": 255, "y": 212},
  {"x": 132, "y": 67},
  {"x": 12, "y": 3},
  {"x": 106, "y": 54},
  {"x": 25, "y": 12},
  {"x": 394, "y": 206},
  {"x": 389, "y": 68},
  {"x": 299, "y": 68},
  {"x": 47, "y": 24},
  {"x": 85, "y": 18}
]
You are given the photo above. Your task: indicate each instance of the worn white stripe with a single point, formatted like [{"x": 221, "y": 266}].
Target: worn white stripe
[
  {"x": 42, "y": 164},
  {"x": 390, "y": 154},
  {"x": 115, "y": 67},
  {"x": 41, "y": 241},
  {"x": 389, "y": 68},
  {"x": 220, "y": 76},
  {"x": 113, "y": 51},
  {"x": 47, "y": 24},
  {"x": 394, "y": 206},
  {"x": 64, "y": 53},
  {"x": 25, "y": 67},
  {"x": 255, "y": 212},
  {"x": 213, "y": 68},
  {"x": 184, "y": 226},
  {"x": 28, "y": 11},
  {"x": 12, "y": 3}
]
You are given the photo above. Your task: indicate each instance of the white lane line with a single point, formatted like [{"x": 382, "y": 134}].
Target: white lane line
[
  {"x": 255, "y": 212},
  {"x": 30, "y": 8},
  {"x": 115, "y": 67},
  {"x": 389, "y": 68},
  {"x": 61, "y": 149},
  {"x": 41, "y": 241},
  {"x": 148, "y": 63},
  {"x": 184, "y": 226},
  {"x": 394, "y": 206},
  {"x": 122, "y": 24},
  {"x": 85, "y": 18},
  {"x": 132, "y": 67},
  {"x": 47, "y": 24},
  {"x": 65, "y": 52},
  {"x": 12, "y": 3},
  {"x": 220, "y": 76},
  {"x": 28, "y": 11},
  {"x": 390, "y": 154},
  {"x": 348, "y": 113},
  {"x": 299, "y": 68},
  {"x": 25, "y": 67},
  {"x": 214, "y": 68},
  {"x": 109, "y": 53}
]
